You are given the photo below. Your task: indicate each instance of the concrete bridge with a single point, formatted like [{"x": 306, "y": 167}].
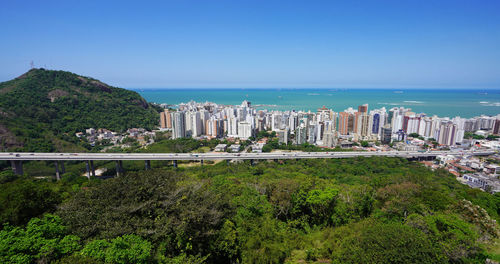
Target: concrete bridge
[{"x": 16, "y": 159}]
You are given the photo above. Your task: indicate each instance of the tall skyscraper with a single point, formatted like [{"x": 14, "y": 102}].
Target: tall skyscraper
[
  {"x": 195, "y": 124},
  {"x": 283, "y": 135},
  {"x": 363, "y": 108},
  {"x": 366, "y": 124},
  {"x": 165, "y": 119},
  {"x": 244, "y": 130},
  {"x": 496, "y": 127},
  {"x": 447, "y": 133},
  {"x": 300, "y": 135},
  {"x": 386, "y": 134},
  {"x": 329, "y": 139},
  {"x": 232, "y": 127},
  {"x": 346, "y": 123},
  {"x": 376, "y": 124},
  {"x": 178, "y": 125}
]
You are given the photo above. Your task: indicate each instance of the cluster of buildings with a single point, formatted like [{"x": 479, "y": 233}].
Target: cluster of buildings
[
  {"x": 94, "y": 136},
  {"x": 324, "y": 127},
  {"x": 474, "y": 171}
]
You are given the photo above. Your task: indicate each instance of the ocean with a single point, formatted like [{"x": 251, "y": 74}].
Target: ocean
[{"x": 451, "y": 103}]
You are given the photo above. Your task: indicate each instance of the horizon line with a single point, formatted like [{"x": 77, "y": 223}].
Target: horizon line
[{"x": 307, "y": 88}]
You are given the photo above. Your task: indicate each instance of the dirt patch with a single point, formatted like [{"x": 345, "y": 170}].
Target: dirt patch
[
  {"x": 103, "y": 87},
  {"x": 141, "y": 103},
  {"x": 54, "y": 94},
  {"x": 82, "y": 79},
  {"x": 5, "y": 114},
  {"x": 7, "y": 139}
]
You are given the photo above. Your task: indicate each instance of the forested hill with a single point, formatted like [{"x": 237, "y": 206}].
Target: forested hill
[{"x": 42, "y": 109}]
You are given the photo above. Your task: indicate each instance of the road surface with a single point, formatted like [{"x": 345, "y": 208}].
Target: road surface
[{"x": 25, "y": 156}]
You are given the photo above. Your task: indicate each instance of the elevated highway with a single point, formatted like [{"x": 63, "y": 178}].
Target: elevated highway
[{"x": 17, "y": 158}]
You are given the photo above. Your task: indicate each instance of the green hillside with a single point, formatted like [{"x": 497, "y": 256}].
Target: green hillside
[
  {"x": 42, "y": 109},
  {"x": 359, "y": 210}
]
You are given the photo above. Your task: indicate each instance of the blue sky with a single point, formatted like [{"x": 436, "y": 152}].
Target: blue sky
[{"x": 257, "y": 44}]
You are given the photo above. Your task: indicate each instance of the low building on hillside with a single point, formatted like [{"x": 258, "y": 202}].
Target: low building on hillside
[
  {"x": 445, "y": 159},
  {"x": 220, "y": 147},
  {"x": 234, "y": 148},
  {"x": 483, "y": 182},
  {"x": 492, "y": 169},
  {"x": 257, "y": 148}
]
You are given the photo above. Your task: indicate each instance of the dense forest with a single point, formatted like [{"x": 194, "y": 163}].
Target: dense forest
[
  {"x": 42, "y": 109},
  {"x": 364, "y": 210}
]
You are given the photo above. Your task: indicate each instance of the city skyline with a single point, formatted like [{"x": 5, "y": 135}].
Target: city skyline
[
  {"x": 258, "y": 44},
  {"x": 323, "y": 127}
]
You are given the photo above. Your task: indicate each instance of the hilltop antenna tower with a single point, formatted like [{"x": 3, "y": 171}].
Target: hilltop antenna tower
[{"x": 32, "y": 65}]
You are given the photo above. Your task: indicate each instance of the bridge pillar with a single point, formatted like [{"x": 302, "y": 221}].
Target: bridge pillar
[
  {"x": 58, "y": 175},
  {"x": 147, "y": 164},
  {"x": 92, "y": 168},
  {"x": 228, "y": 162},
  {"x": 175, "y": 163},
  {"x": 201, "y": 162},
  {"x": 119, "y": 168},
  {"x": 251, "y": 162},
  {"x": 17, "y": 166},
  {"x": 63, "y": 170},
  {"x": 87, "y": 168}
]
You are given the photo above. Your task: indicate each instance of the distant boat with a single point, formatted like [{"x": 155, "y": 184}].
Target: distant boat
[{"x": 398, "y": 91}]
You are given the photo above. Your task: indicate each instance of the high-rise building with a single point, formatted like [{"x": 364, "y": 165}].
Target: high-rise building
[
  {"x": 363, "y": 108},
  {"x": 496, "y": 127},
  {"x": 312, "y": 132},
  {"x": 300, "y": 135},
  {"x": 447, "y": 133},
  {"x": 214, "y": 128},
  {"x": 204, "y": 116},
  {"x": 460, "y": 122},
  {"x": 346, "y": 123},
  {"x": 386, "y": 134},
  {"x": 329, "y": 139},
  {"x": 165, "y": 119},
  {"x": 196, "y": 124},
  {"x": 283, "y": 135},
  {"x": 363, "y": 127},
  {"x": 376, "y": 123},
  {"x": 244, "y": 130},
  {"x": 411, "y": 123},
  {"x": 276, "y": 121},
  {"x": 178, "y": 125},
  {"x": 232, "y": 127}
]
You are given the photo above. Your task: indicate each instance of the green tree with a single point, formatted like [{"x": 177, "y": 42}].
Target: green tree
[
  {"x": 124, "y": 250},
  {"x": 23, "y": 199},
  {"x": 44, "y": 240},
  {"x": 370, "y": 241}
]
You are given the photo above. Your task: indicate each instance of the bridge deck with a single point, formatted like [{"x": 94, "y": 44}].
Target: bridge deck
[{"x": 225, "y": 156}]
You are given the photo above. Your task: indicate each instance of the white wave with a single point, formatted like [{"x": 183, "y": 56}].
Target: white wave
[
  {"x": 492, "y": 104},
  {"x": 414, "y": 102},
  {"x": 388, "y": 104},
  {"x": 484, "y": 102}
]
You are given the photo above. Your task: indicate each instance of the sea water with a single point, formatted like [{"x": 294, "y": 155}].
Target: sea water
[{"x": 451, "y": 103}]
